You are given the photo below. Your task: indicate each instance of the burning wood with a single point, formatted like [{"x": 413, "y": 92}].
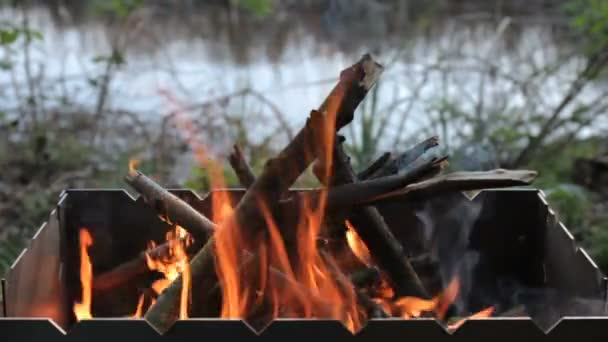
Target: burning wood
[
  {"x": 266, "y": 257},
  {"x": 247, "y": 220}
]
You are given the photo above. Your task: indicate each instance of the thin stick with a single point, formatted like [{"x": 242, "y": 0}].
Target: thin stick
[
  {"x": 460, "y": 181},
  {"x": 170, "y": 206},
  {"x": 406, "y": 158},
  {"x": 375, "y": 166},
  {"x": 129, "y": 270},
  {"x": 241, "y": 167}
]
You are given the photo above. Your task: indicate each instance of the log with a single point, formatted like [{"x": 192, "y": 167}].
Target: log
[
  {"x": 460, "y": 181},
  {"x": 365, "y": 277},
  {"x": 398, "y": 187},
  {"x": 277, "y": 176},
  {"x": 171, "y": 207},
  {"x": 384, "y": 248},
  {"x": 375, "y": 166},
  {"x": 129, "y": 270},
  {"x": 346, "y": 195},
  {"x": 405, "y": 159},
  {"x": 346, "y": 285},
  {"x": 240, "y": 166},
  {"x": 357, "y": 192},
  {"x": 359, "y": 279}
]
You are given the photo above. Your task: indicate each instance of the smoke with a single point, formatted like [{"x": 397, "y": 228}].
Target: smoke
[
  {"x": 447, "y": 227},
  {"x": 450, "y": 227}
]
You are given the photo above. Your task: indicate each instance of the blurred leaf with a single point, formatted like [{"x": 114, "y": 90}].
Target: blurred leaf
[
  {"x": 8, "y": 36},
  {"x": 260, "y": 8},
  {"x": 571, "y": 204},
  {"x": 6, "y": 64}
]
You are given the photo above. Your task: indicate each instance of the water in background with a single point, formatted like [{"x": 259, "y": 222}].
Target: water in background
[{"x": 180, "y": 56}]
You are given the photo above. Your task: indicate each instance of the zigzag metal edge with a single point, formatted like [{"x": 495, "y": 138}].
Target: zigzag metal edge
[{"x": 199, "y": 198}]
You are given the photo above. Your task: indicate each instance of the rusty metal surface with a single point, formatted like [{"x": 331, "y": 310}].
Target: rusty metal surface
[{"x": 34, "y": 284}]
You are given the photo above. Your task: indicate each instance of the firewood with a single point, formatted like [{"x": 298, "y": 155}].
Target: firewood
[
  {"x": 347, "y": 195},
  {"x": 375, "y": 166},
  {"x": 171, "y": 207},
  {"x": 359, "y": 279},
  {"x": 359, "y": 191},
  {"x": 385, "y": 249},
  {"x": 346, "y": 285},
  {"x": 277, "y": 176},
  {"x": 405, "y": 159},
  {"x": 240, "y": 166},
  {"x": 397, "y": 187},
  {"x": 129, "y": 270},
  {"x": 460, "y": 181},
  {"x": 365, "y": 277}
]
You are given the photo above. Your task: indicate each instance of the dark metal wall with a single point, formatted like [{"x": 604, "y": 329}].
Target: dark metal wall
[{"x": 515, "y": 234}]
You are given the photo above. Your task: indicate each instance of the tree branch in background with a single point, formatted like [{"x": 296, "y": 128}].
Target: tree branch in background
[{"x": 594, "y": 65}]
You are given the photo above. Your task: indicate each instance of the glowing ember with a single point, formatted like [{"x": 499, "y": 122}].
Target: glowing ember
[{"x": 82, "y": 310}]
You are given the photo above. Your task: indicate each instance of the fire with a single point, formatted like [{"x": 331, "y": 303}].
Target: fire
[
  {"x": 413, "y": 307},
  {"x": 311, "y": 287},
  {"x": 133, "y": 164},
  {"x": 82, "y": 310},
  {"x": 140, "y": 304},
  {"x": 172, "y": 265},
  {"x": 485, "y": 313},
  {"x": 357, "y": 246}
]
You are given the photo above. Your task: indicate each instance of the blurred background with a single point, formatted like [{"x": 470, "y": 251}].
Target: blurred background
[{"x": 88, "y": 85}]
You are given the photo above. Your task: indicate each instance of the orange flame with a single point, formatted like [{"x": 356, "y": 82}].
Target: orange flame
[
  {"x": 172, "y": 265},
  {"x": 82, "y": 310},
  {"x": 140, "y": 304},
  {"x": 133, "y": 164},
  {"x": 308, "y": 288},
  {"x": 357, "y": 246},
  {"x": 413, "y": 307},
  {"x": 485, "y": 313}
]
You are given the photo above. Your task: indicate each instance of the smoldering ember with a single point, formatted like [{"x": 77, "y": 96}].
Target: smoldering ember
[{"x": 401, "y": 238}]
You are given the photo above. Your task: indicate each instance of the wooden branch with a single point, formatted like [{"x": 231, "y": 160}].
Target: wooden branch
[
  {"x": 595, "y": 64},
  {"x": 346, "y": 285},
  {"x": 241, "y": 167},
  {"x": 375, "y": 166},
  {"x": 365, "y": 277},
  {"x": 278, "y": 175},
  {"x": 346, "y": 195},
  {"x": 385, "y": 249},
  {"x": 460, "y": 181},
  {"x": 129, "y": 270},
  {"x": 170, "y": 206},
  {"x": 406, "y": 158},
  {"x": 359, "y": 192}
]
